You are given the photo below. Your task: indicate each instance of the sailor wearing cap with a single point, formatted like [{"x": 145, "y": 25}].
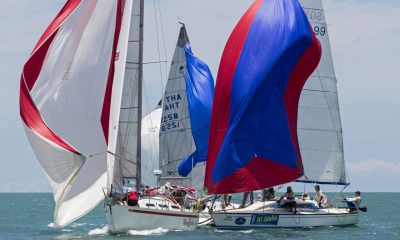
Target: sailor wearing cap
[{"x": 166, "y": 189}]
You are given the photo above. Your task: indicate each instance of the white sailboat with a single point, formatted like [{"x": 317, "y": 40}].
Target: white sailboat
[
  {"x": 184, "y": 126},
  {"x": 321, "y": 144},
  {"x": 81, "y": 105},
  {"x": 158, "y": 210}
]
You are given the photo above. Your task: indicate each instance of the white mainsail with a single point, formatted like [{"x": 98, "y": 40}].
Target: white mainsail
[
  {"x": 125, "y": 125},
  {"x": 319, "y": 123},
  {"x": 63, "y": 90},
  {"x": 176, "y": 139}
]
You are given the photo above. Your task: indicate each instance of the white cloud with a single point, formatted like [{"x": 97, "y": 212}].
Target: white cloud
[{"x": 374, "y": 166}]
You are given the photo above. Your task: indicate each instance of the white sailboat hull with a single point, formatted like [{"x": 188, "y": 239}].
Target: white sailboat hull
[
  {"x": 123, "y": 218},
  {"x": 278, "y": 219}
]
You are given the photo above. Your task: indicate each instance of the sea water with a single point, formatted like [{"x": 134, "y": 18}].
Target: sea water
[{"x": 29, "y": 216}]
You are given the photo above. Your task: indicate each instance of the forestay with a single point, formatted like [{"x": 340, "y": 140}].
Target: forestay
[
  {"x": 63, "y": 102},
  {"x": 319, "y": 124},
  {"x": 176, "y": 140}
]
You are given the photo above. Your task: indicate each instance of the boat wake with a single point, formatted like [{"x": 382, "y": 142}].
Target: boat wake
[
  {"x": 106, "y": 230},
  {"x": 243, "y": 231},
  {"x": 100, "y": 231},
  {"x": 157, "y": 231}
]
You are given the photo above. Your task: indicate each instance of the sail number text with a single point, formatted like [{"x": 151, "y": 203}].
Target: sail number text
[
  {"x": 171, "y": 118},
  {"x": 170, "y": 122},
  {"x": 169, "y": 126},
  {"x": 317, "y": 19},
  {"x": 319, "y": 30},
  {"x": 314, "y": 15}
]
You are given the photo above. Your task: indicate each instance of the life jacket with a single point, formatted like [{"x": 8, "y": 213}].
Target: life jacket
[
  {"x": 132, "y": 196},
  {"x": 149, "y": 191}
]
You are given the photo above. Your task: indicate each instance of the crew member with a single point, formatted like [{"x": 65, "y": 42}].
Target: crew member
[
  {"x": 320, "y": 198},
  {"x": 132, "y": 199}
]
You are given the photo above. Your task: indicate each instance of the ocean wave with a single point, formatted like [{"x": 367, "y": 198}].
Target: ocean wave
[
  {"x": 157, "y": 231},
  {"x": 100, "y": 231},
  {"x": 78, "y": 224},
  {"x": 51, "y": 225}
]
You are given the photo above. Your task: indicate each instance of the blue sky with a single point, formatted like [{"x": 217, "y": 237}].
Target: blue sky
[{"x": 365, "y": 41}]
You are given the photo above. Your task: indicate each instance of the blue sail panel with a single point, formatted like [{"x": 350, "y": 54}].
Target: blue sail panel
[{"x": 200, "y": 93}]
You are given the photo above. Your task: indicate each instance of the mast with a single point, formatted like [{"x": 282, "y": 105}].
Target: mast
[{"x": 140, "y": 83}]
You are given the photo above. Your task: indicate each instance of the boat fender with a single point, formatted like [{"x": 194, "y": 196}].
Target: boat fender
[
  {"x": 363, "y": 209},
  {"x": 198, "y": 205}
]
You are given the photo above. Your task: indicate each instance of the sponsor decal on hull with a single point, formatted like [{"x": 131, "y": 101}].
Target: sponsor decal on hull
[
  {"x": 228, "y": 218},
  {"x": 264, "y": 219},
  {"x": 240, "y": 221}
]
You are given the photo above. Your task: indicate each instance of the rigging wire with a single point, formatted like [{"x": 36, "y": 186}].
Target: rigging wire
[
  {"x": 163, "y": 37},
  {"x": 152, "y": 143},
  {"x": 158, "y": 45}
]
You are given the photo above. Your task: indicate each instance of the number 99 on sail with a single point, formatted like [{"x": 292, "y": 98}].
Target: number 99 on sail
[{"x": 319, "y": 30}]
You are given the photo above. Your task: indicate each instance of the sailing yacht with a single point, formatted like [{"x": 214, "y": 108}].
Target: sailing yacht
[
  {"x": 176, "y": 139},
  {"x": 313, "y": 152},
  {"x": 81, "y": 106}
]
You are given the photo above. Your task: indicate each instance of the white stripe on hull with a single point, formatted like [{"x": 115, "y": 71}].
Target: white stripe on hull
[
  {"x": 270, "y": 220},
  {"x": 122, "y": 218}
]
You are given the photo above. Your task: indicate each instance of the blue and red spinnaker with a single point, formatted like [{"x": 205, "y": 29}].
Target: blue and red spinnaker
[
  {"x": 253, "y": 136},
  {"x": 200, "y": 93}
]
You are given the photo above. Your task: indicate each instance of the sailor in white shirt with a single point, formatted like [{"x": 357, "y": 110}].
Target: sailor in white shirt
[
  {"x": 320, "y": 198},
  {"x": 166, "y": 189}
]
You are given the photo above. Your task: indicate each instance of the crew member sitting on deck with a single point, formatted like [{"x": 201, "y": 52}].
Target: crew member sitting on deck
[
  {"x": 354, "y": 203},
  {"x": 268, "y": 194},
  {"x": 305, "y": 196},
  {"x": 320, "y": 198},
  {"x": 290, "y": 199},
  {"x": 132, "y": 199},
  {"x": 148, "y": 191}
]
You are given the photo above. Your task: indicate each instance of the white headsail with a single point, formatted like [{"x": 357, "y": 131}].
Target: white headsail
[
  {"x": 319, "y": 123},
  {"x": 80, "y": 98},
  {"x": 62, "y": 100},
  {"x": 150, "y": 141},
  {"x": 176, "y": 139}
]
